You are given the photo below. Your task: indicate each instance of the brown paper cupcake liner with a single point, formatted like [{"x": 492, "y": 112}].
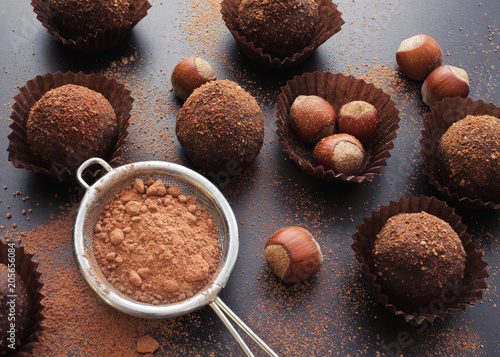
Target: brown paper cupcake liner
[
  {"x": 19, "y": 151},
  {"x": 102, "y": 39},
  {"x": 27, "y": 270},
  {"x": 338, "y": 90},
  {"x": 330, "y": 22},
  {"x": 472, "y": 284},
  {"x": 439, "y": 119}
]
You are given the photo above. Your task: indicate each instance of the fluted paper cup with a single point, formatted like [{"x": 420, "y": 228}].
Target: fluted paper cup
[
  {"x": 338, "y": 90},
  {"x": 438, "y": 120},
  {"x": 468, "y": 290},
  {"x": 19, "y": 151},
  {"x": 103, "y": 39},
  {"x": 329, "y": 23}
]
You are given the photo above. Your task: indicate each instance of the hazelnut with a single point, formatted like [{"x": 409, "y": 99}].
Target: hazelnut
[
  {"x": 342, "y": 153},
  {"x": 293, "y": 254},
  {"x": 445, "y": 81},
  {"x": 358, "y": 118},
  {"x": 312, "y": 118},
  {"x": 418, "y": 56},
  {"x": 189, "y": 74}
]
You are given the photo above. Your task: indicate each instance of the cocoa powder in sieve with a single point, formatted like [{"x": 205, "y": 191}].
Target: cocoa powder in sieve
[{"x": 155, "y": 244}]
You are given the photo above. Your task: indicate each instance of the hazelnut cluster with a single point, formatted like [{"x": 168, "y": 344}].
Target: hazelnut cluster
[
  {"x": 313, "y": 120},
  {"x": 420, "y": 58}
]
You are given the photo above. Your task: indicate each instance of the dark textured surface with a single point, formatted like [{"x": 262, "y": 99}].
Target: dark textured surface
[{"x": 333, "y": 313}]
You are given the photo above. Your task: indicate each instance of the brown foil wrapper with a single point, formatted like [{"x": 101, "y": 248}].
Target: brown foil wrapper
[
  {"x": 329, "y": 23},
  {"x": 19, "y": 150},
  {"x": 27, "y": 270},
  {"x": 101, "y": 40},
  {"x": 466, "y": 293},
  {"x": 439, "y": 119},
  {"x": 338, "y": 90}
]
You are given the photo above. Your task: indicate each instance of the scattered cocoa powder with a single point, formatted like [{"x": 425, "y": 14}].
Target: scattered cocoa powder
[
  {"x": 77, "y": 323},
  {"x": 336, "y": 310},
  {"x": 156, "y": 247}
]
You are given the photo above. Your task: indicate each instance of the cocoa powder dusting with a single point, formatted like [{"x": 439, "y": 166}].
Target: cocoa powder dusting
[
  {"x": 335, "y": 307},
  {"x": 156, "y": 245},
  {"x": 334, "y": 313},
  {"x": 78, "y": 323}
]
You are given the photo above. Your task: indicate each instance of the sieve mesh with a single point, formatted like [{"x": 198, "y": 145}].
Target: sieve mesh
[{"x": 103, "y": 192}]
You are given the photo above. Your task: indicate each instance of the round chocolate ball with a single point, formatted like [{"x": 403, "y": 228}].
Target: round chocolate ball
[
  {"x": 468, "y": 157},
  {"x": 415, "y": 255},
  {"x": 69, "y": 125},
  {"x": 221, "y": 127},
  {"x": 79, "y": 18},
  {"x": 280, "y": 27},
  {"x": 15, "y": 305}
]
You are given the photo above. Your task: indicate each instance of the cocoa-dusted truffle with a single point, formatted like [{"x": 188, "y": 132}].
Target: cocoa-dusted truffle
[
  {"x": 415, "y": 255},
  {"x": 14, "y": 309},
  {"x": 221, "y": 127},
  {"x": 79, "y": 18},
  {"x": 468, "y": 157},
  {"x": 280, "y": 27},
  {"x": 69, "y": 125}
]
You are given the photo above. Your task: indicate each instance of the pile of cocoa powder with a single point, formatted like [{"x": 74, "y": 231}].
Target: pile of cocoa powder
[{"x": 155, "y": 244}]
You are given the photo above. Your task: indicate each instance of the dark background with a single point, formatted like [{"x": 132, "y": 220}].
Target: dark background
[{"x": 333, "y": 313}]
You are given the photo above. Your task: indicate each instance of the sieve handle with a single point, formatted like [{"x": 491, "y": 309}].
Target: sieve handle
[
  {"x": 220, "y": 308},
  {"x": 85, "y": 165}
]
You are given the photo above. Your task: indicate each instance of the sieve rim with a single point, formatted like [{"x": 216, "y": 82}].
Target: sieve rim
[{"x": 102, "y": 288}]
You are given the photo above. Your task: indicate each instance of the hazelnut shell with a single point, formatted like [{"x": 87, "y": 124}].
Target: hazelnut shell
[
  {"x": 293, "y": 254},
  {"x": 312, "y": 118},
  {"x": 189, "y": 74},
  {"x": 445, "y": 82},
  {"x": 325, "y": 154},
  {"x": 418, "y": 56},
  {"x": 358, "y": 118}
]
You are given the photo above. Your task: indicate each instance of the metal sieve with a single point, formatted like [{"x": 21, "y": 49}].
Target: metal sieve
[{"x": 191, "y": 183}]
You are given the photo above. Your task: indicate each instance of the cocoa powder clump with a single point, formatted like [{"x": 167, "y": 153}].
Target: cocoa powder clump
[
  {"x": 147, "y": 344},
  {"x": 157, "y": 247}
]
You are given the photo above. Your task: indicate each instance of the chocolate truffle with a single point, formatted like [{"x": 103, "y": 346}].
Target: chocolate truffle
[
  {"x": 468, "y": 157},
  {"x": 221, "y": 127},
  {"x": 69, "y": 125},
  {"x": 79, "y": 18},
  {"x": 14, "y": 309},
  {"x": 280, "y": 27},
  {"x": 415, "y": 255}
]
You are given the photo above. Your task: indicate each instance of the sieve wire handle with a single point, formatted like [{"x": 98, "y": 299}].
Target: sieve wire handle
[
  {"x": 85, "y": 165},
  {"x": 220, "y": 308}
]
